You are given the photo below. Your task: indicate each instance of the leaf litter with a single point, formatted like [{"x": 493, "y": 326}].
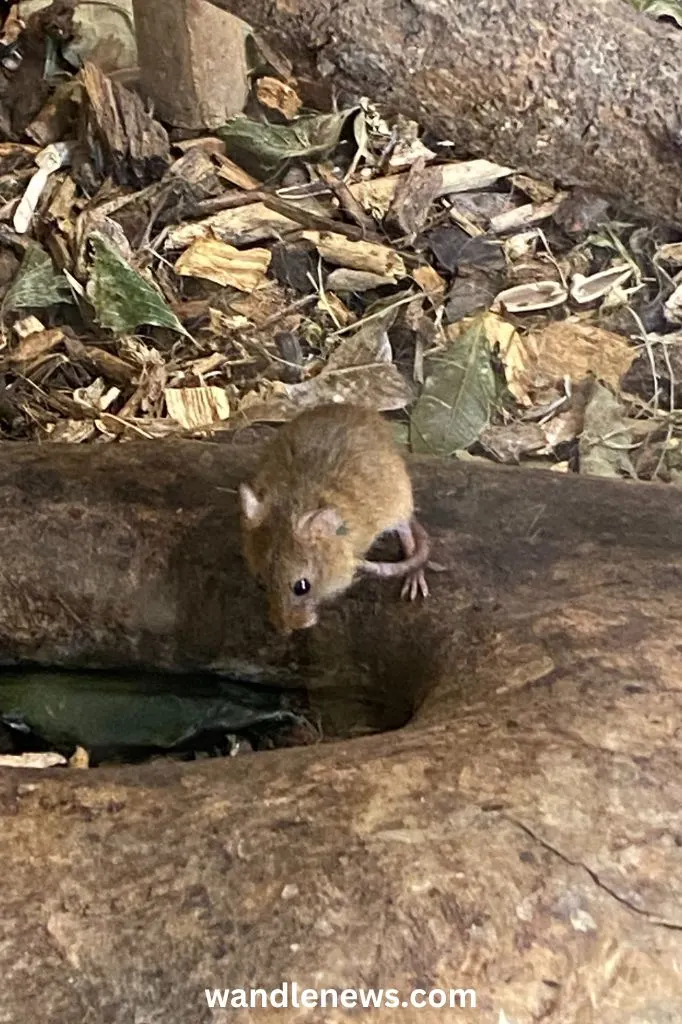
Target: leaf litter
[{"x": 160, "y": 266}]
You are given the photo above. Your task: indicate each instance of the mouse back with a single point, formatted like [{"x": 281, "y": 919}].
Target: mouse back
[{"x": 329, "y": 482}]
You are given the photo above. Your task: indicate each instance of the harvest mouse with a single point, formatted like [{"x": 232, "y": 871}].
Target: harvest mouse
[{"x": 330, "y": 482}]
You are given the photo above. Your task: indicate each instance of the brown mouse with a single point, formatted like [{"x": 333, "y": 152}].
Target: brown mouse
[{"x": 330, "y": 482}]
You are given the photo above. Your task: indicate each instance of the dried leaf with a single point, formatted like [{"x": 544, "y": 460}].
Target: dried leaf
[
  {"x": 36, "y": 344},
  {"x": 458, "y": 392},
  {"x": 344, "y": 280},
  {"x": 512, "y": 440},
  {"x": 378, "y": 386},
  {"x": 430, "y": 281},
  {"x": 37, "y": 283},
  {"x": 606, "y": 442},
  {"x": 564, "y": 349},
  {"x": 367, "y": 346},
  {"x": 199, "y": 407},
  {"x": 217, "y": 261},
  {"x": 122, "y": 298}
]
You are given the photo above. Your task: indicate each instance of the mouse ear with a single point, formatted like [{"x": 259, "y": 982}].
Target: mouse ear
[
  {"x": 253, "y": 509},
  {"x": 321, "y": 522}
]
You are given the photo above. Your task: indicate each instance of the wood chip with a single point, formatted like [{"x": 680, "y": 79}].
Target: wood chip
[
  {"x": 278, "y": 96},
  {"x": 217, "y": 261},
  {"x": 358, "y": 255},
  {"x": 194, "y": 408}
]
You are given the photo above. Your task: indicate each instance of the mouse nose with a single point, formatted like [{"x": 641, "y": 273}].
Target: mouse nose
[{"x": 300, "y": 619}]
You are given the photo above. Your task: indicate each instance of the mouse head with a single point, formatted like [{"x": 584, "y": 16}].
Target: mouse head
[{"x": 302, "y": 558}]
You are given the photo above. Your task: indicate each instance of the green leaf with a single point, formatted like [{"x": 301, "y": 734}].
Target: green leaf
[
  {"x": 119, "y": 715},
  {"x": 37, "y": 283},
  {"x": 606, "y": 442},
  {"x": 459, "y": 390},
  {"x": 663, "y": 9},
  {"x": 122, "y": 298},
  {"x": 264, "y": 149}
]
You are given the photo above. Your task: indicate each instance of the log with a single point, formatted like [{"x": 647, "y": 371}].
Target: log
[
  {"x": 517, "y": 834},
  {"x": 581, "y": 91}
]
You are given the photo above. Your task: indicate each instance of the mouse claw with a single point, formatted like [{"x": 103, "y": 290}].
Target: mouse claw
[{"x": 414, "y": 585}]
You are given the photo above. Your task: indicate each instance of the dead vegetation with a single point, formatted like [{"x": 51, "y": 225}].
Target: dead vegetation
[{"x": 156, "y": 287}]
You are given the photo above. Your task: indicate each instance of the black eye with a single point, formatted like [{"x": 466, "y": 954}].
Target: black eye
[{"x": 301, "y": 587}]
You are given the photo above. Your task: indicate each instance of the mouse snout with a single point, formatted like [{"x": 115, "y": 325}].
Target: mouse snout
[{"x": 287, "y": 619}]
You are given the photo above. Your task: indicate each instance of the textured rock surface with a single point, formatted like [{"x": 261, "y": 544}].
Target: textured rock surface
[{"x": 579, "y": 91}]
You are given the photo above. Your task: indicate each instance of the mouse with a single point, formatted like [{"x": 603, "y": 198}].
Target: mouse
[{"x": 329, "y": 483}]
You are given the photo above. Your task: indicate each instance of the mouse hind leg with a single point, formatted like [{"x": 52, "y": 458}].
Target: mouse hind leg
[{"x": 415, "y": 544}]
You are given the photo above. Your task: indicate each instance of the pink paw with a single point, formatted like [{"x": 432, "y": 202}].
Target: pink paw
[{"x": 414, "y": 585}]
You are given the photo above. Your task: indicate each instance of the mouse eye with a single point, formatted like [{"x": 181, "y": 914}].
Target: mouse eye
[{"x": 301, "y": 587}]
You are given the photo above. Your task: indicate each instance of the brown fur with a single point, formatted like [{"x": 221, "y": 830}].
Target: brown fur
[{"x": 338, "y": 458}]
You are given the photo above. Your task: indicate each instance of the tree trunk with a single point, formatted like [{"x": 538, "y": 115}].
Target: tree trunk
[
  {"x": 519, "y": 836},
  {"x": 584, "y": 91}
]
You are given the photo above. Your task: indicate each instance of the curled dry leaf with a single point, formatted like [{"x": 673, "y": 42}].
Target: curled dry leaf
[
  {"x": 367, "y": 346},
  {"x": 360, "y": 371},
  {"x": 566, "y": 349},
  {"x": 357, "y": 255},
  {"x": 219, "y": 262},
  {"x": 194, "y": 408},
  {"x": 524, "y": 298}
]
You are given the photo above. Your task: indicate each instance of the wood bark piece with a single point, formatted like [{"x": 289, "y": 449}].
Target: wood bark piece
[
  {"x": 519, "y": 836},
  {"x": 579, "y": 91},
  {"x": 192, "y": 61},
  {"x": 135, "y": 145}
]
